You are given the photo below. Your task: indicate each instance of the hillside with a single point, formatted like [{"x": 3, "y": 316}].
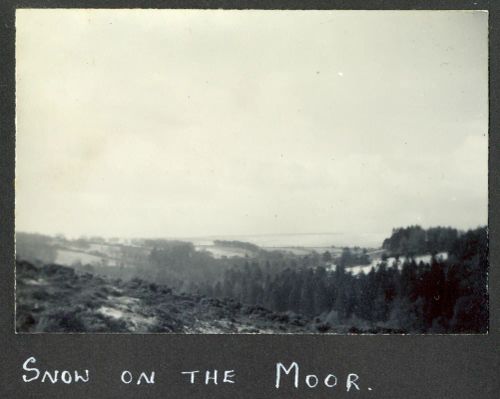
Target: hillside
[
  {"x": 55, "y": 298},
  {"x": 170, "y": 286}
]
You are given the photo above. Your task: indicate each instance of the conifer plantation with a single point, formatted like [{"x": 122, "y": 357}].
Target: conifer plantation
[{"x": 420, "y": 281}]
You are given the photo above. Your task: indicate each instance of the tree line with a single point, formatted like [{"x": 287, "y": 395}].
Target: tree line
[
  {"x": 414, "y": 240},
  {"x": 441, "y": 296}
]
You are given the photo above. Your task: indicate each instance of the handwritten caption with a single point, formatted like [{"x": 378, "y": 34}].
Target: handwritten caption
[{"x": 285, "y": 375}]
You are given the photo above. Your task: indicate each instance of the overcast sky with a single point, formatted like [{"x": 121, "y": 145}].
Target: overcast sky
[{"x": 192, "y": 123}]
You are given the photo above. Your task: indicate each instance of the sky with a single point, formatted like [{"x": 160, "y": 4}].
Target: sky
[{"x": 172, "y": 123}]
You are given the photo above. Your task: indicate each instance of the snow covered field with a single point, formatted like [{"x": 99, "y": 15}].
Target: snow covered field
[{"x": 355, "y": 270}]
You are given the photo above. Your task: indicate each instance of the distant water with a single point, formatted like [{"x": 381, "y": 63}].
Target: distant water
[{"x": 371, "y": 240}]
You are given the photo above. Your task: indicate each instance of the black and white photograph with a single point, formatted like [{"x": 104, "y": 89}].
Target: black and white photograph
[{"x": 251, "y": 171}]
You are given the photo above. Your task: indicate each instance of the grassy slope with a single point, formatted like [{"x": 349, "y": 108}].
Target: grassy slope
[{"x": 55, "y": 298}]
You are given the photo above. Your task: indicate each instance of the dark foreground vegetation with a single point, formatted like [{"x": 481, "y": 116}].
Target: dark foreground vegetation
[
  {"x": 55, "y": 298},
  {"x": 172, "y": 286}
]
